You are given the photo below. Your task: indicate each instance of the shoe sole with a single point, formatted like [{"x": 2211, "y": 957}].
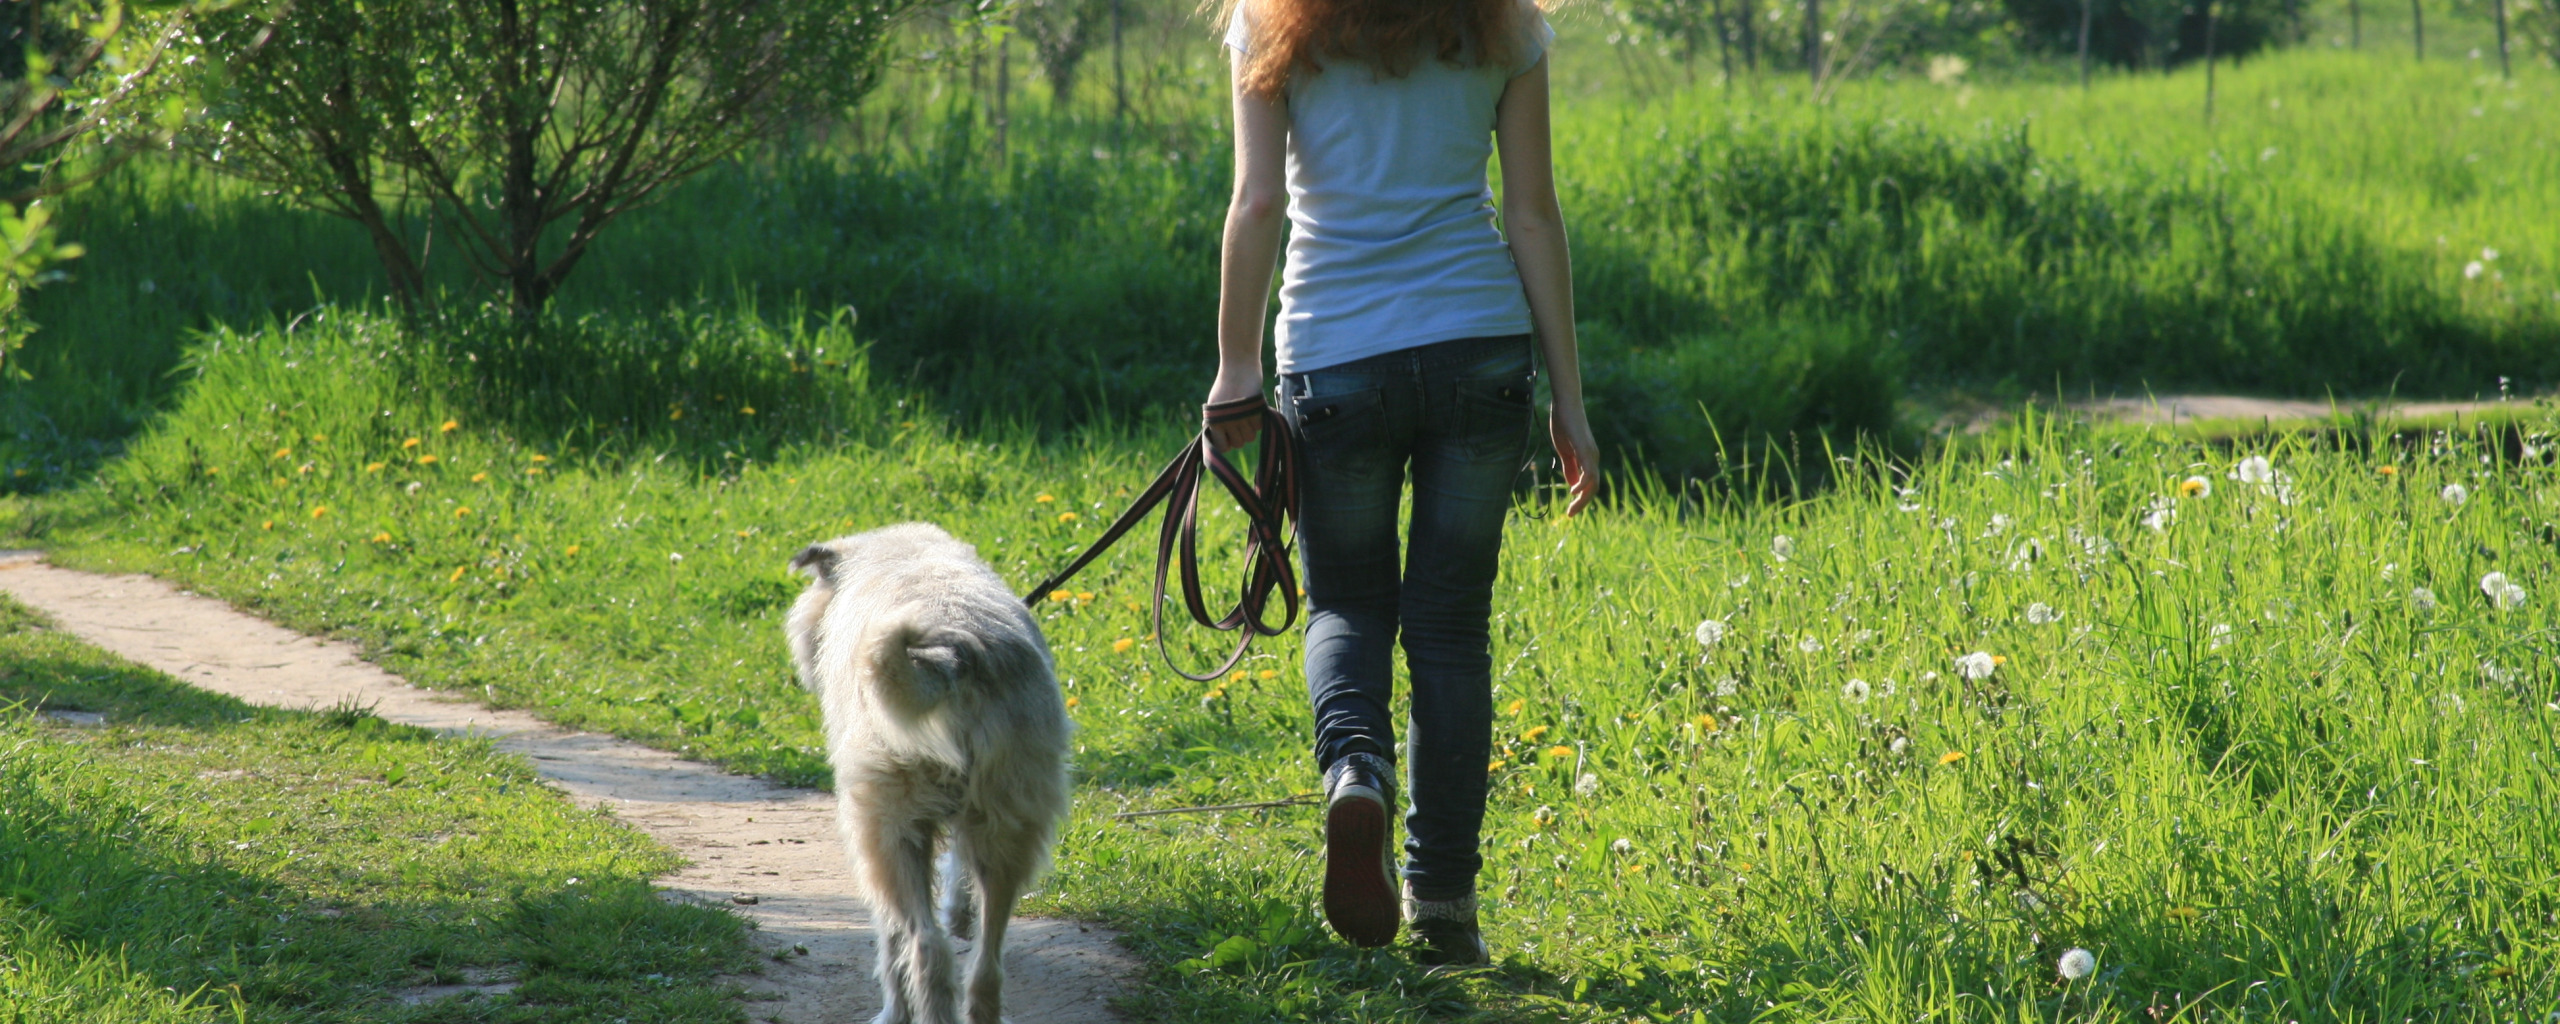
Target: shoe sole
[{"x": 1359, "y": 898}]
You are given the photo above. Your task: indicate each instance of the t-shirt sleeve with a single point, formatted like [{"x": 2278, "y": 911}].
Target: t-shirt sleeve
[
  {"x": 1240, "y": 29},
  {"x": 1536, "y": 36}
]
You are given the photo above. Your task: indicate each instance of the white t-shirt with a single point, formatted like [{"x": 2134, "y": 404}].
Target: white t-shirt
[{"x": 1392, "y": 241}]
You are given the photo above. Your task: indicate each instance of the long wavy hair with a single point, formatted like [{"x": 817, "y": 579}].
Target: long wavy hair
[{"x": 1289, "y": 35}]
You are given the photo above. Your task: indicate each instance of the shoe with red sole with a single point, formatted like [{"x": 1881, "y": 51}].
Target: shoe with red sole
[{"x": 1360, "y": 897}]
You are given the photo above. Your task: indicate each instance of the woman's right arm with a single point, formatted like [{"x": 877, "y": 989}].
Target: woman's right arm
[
  {"x": 1249, "y": 253},
  {"x": 1534, "y": 223}
]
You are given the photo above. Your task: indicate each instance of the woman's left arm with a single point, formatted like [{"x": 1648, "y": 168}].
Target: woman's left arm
[{"x": 1250, "y": 253}]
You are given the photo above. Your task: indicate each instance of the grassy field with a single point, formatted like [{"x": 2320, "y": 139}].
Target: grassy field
[
  {"x": 2272, "y": 740},
  {"x": 2260, "y": 741},
  {"x": 192, "y": 860}
]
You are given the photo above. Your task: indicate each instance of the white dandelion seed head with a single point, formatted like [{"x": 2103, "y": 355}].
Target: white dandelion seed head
[
  {"x": 2388, "y": 570},
  {"x": 1889, "y": 688},
  {"x": 1998, "y": 525},
  {"x": 1588, "y": 784},
  {"x": 2254, "y": 470},
  {"x": 1726, "y": 686},
  {"x": 2488, "y": 255},
  {"x": 674, "y": 557},
  {"x": 1809, "y": 645},
  {"x": 1862, "y": 637},
  {"x": 2471, "y": 271},
  {"x": 2042, "y": 614},
  {"x": 2159, "y": 515},
  {"x": 2026, "y": 554},
  {"x": 2423, "y": 598},
  {"x": 1622, "y": 847},
  {"x": 1977, "y": 665},
  {"x": 2503, "y": 593},
  {"x": 1855, "y": 691},
  {"x": 1927, "y": 678},
  {"x": 1739, "y": 582},
  {"x": 1900, "y": 746},
  {"x": 1782, "y": 546},
  {"x": 1709, "y": 633},
  {"x": 413, "y": 487},
  {"x": 2493, "y": 672},
  {"x": 2455, "y": 495},
  {"x": 2221, "y": 634},
  {"x": 2077, "y": 963}
]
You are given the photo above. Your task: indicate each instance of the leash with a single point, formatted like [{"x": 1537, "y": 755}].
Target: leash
[{"x": 1270, "y": 503}]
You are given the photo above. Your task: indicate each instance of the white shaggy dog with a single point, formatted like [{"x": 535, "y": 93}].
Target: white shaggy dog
[{"x": 945, "y": 725}]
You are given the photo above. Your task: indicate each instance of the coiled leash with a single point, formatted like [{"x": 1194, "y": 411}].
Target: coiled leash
[{"x": 1270, "y": 503}]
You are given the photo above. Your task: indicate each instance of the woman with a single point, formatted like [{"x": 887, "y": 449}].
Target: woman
[{"x": 1403, "y": 345}]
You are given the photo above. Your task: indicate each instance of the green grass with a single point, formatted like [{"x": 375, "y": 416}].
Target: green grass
[
  {"x": 1745, "y": 259},
  {"x": 2246, "y": 766},
  {"x": 194, "y": 859}
]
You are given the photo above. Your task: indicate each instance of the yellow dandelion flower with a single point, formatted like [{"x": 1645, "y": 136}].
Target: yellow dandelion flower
[
  {"x": 1534, "y": 732},
  {"x": 267, "y": 524},
  {"x": 408, "y": 444},
  {"x": 1066, "y": 517},
  {"x": 571, "y": 551},
  {"x": 676, "y": 413},
  {"x": 1494, "y": 765},
  {"x": 2194, "y": 487},
  {"x": 1514, "y": 707},
  {"x": 457, "y": 574},
  {"x": 382, "y": 538},
  {"x": 302, "y": 470},
  {"x": 461, "y": 511},
  {"x": 1742, "y": 865},
  {"x": 2387, "y": 470},
  {"x": 1635, "y": 868},
  {"x": 1084, "y": 595},
  {"x": 2183, "y": 913},
  {"x": 1236, "y": 676},
  {"x": 479, "y": 478},
  {"x": 533, "y": 471},
  {"x": 1214, "y": 693},
  {"x": 208, "y": 471},
  {"x": 1951, "y": 757},
  {"x": 449, "y": 427},
  {"x": 1072, "y": 702},
  {"x": 374, "y": 467},
  {"x": 428, "y": 460},
  {"x": 748, "y": 410},
  {"x": 1044, "y": 497},
  {"x": 539, "y": 457},
  {"x": 1707, "y": 723},
  {"x": 1270, "y": 674},
  {"x": 1122, "y": 645},
  {"x": 1559, "y": 750},
  {"x": 318, "y": 511},
  {"x": 1133, "y": 606},
  {"x": 319, "y": 437},
  {"x": 1062, "y": 596},
  {"x": 282, "y": 453},
  {"x": 1999, "y": 659}
]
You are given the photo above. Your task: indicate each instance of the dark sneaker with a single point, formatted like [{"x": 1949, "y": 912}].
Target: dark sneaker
[
  {"x": 1359, "y": 859},
  {"x": 1446, "y": 931}
]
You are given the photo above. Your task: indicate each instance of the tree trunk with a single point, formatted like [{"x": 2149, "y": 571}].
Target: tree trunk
[
  {"x": 1747, "y": 16},
  {"x": 2088, "y": 8},
  {"x": 1724, "y": 44},
  {"x": 1004, "y": 84},
  {"x": 2355, "y": 24},
  {"x": 2418, "y": 28},
  {"x": 1813, "y": 40},
  {"x": 2210, "y": 22},
  {"x": 1119, "y": 81},
  {"x": 2504, "y": 71}
]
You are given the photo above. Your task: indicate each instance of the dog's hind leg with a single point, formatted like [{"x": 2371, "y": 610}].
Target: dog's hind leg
[
  {"x": 918, "y": 979},
  {"x": 1003, "y": 860},
  {"x": 959, "y": 896}
]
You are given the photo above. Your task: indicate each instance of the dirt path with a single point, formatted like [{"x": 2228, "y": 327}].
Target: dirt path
[{"x": 769, "y": 852}]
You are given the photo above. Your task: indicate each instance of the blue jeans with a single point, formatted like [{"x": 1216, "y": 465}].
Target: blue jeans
[{"x": 1456, "y": 416}]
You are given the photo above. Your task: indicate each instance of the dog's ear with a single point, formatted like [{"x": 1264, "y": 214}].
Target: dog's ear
[{"x": 818, "y": 560}]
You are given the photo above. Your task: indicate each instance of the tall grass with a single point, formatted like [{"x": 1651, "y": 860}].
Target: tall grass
[{"x": 2316, "y": 238}]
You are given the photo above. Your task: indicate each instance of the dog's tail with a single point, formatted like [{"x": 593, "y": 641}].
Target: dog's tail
[{"x": 922, "y": 664}]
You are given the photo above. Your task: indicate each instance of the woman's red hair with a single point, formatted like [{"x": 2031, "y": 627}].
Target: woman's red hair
[{"x": 1289, "y": 35}]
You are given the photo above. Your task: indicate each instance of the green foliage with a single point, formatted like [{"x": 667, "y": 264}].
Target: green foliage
[
  {"x": 198, "y": 860},
  {"x": 2238, "y": 756},
  {"x": 522, "y": 128}
]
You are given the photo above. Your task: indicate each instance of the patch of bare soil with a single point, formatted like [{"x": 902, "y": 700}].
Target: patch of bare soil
[{"x": 765, "y": 851}]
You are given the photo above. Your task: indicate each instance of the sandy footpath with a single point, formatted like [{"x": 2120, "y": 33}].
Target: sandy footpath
[{"x": 768, "y": 852}]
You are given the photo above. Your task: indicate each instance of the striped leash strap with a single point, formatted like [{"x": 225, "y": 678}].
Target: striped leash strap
[{"x": 1270, "y": 504}]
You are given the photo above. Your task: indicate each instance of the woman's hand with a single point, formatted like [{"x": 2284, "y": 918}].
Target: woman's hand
[
  {"x": 1577, "y": 452},
  {"x": 1233, "y": 384}
]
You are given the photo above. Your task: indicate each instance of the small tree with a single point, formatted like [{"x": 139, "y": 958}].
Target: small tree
[
  {"x": 70, "y": 72},
  {"x": 1061, "y": 33},
  {"x": 516, "y": 128}
]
